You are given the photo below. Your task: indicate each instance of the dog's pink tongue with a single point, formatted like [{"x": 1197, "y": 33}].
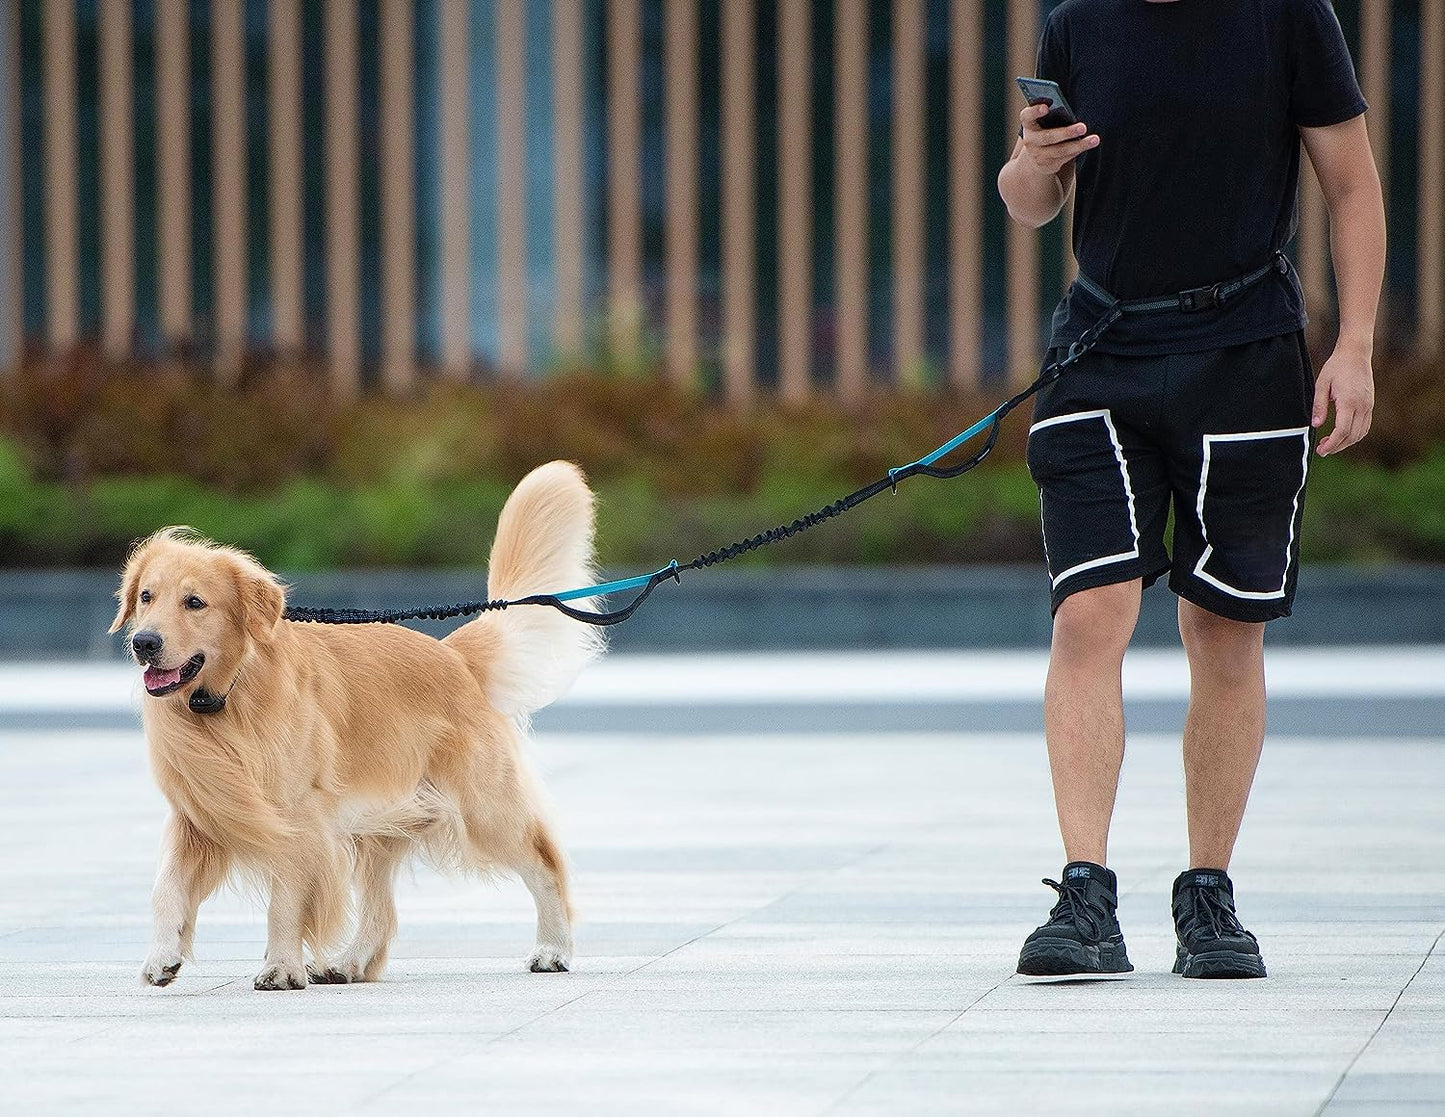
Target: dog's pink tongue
[{"x": 156, "y": 679}]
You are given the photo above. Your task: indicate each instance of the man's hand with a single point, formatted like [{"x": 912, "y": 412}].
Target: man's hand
[
  {"x": 1036, "y": 180},
  {"x": 1348, "y": 382},
  {"x": 1047, "y": 150}
]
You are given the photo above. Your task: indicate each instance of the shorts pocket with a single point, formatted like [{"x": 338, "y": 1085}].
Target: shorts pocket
[
  {"x": 1250, "y": 488},
  {"x": 1085, "y": 495}
]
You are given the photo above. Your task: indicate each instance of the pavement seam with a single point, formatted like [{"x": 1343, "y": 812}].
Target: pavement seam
[
  {"x": 1330, "y": 1097},
  {"x": 901, "y": 1056}
]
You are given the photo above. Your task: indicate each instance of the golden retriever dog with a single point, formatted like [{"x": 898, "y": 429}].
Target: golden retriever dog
[{"x": 308, "y": 758}]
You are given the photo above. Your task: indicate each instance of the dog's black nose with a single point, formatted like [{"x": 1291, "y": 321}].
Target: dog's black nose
[{"x": 146, "y": 644}]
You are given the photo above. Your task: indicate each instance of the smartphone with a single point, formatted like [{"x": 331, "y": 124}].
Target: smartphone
[{"x": 1040, "y": 91}]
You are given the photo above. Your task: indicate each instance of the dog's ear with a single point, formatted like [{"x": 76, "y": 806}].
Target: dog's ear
[
  {"x": 126, "y": 595},
  {"x": 262, "y": 601}
]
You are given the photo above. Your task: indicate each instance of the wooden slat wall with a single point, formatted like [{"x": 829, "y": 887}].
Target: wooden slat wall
[
  {"x": 343, "y": 211},
  {"x": 12, "y": 300},
  {"x": 965, "y": 192},
  {"x": 908, "y": 190},
  {"x": 567, "y": 71},
  {"x": 62, "y": 244},
  {"x": 455, "y": 88},
  {"x": 967, "y": 181},
  {"x": 738, "y": 192},
  {"x": 173, "y": 170},
  {"x": 1023, "y": 244},
  {"x": 624, "y": 133},
  {"x": 795, "y": 199},
  {"x": 398, "y": 195},
  {"x": 850, "y": 196},
  {"x": 1430, "y": 282},
  {"x": 117, "y": 180},
  {"x": 285, "y": 206},
  {"x": 680, "y": 30},
  {"x": 512, "y": 183},
  {"x": 228, "y": 183}
]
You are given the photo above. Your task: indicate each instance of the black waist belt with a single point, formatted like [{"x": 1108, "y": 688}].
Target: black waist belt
[{"x": 1193, "y": 300}]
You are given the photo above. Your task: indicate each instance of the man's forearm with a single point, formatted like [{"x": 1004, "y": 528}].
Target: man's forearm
[
  {"x": 1357, "y": 245},
  {"x": 1033, "y": 199}
]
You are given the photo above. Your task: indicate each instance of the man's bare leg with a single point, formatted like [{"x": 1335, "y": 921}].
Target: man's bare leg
[
  {"x": 1224, "y": 732},
  {"x": 1084, "y": 712}
]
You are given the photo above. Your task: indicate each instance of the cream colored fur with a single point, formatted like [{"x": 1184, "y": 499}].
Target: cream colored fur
[{"x": 343, "y": 749}]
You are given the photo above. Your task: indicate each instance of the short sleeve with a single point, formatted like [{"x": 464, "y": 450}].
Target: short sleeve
[
  {"x": 1323, "y": 88},
  {"x": 1053, "y": 59}
]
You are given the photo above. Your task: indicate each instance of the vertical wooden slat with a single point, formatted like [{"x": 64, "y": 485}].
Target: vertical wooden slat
[
  {"x": 117, "y": 180},
  {"x": 567, "y": 168},
  {"x": 1430, "y": 284},
  {"x": 343, "y": 280},
  {"x": 965, "y": 191},
  {"x": 173, "y": 169},
  {"x": 228, "y": 182},
  {"x": 12, "y": 314},
  {"x": 795, "y": 198},
  {"x": 624, "y": 112},
  {"x": 61, "y": 198},
  {"x": 908, "y": 196},
  {"x": 738, "y": 220},
  {"x": 512, "y": 182},
  {"x": 680, "y": 29},
  {"x": 1375, "y": 26},
  {"x": 398, "y": 194},
  {"x": 1022, "y": 250},
  {"x": 850, "y": 196},
  {"x": 285, "y": 151},
  {"x": 456, "y": 210},
  {"x": 1314, "y": 236}
]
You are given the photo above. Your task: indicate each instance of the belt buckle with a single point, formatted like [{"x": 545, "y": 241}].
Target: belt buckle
[{"x": 1200, "y": 298}]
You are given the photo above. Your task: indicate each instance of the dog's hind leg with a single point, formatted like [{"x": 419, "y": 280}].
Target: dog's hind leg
[
  {"x": 377, "y": 860},
  {"x": 544, "y": 871},
  {"x": 192, "y": 866}
]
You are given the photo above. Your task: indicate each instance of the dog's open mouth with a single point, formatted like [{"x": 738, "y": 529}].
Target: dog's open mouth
[{"x": 159, "y": 682}]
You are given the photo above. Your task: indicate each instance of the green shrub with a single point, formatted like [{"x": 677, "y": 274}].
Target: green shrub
[{"x": 93, "y": 457}]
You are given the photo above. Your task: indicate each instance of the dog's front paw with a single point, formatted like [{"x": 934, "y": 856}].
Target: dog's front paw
[
  {"x": 339, "y": 974},
  {"x": 281, "y": 975},
  {"x": 548, "y": 959},
  {"x": 161, "y": 968}
]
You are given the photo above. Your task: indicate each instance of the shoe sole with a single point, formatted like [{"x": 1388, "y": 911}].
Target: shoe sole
[
  {"x": 1219, "y": 964},
  {"x": 1066, "y": 958}
]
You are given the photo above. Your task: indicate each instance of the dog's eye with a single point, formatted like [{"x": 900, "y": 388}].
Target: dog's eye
[
  {"x": 194, "y": 602},
  {"x": 145, "y": 597}
]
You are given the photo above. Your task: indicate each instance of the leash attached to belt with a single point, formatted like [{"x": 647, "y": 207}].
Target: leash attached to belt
[{"x": 1188, "y": 302}]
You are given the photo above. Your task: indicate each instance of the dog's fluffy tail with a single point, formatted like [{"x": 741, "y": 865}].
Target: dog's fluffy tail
[{"x": 527, "y": 657}]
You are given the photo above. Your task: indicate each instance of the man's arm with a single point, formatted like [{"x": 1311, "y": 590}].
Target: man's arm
[
  {"x": 1036, "y": 180},
  {"x": 1345, "y": 167}
]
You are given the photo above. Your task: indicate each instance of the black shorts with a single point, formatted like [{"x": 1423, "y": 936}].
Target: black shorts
[{"x": 1223, "y": 436}]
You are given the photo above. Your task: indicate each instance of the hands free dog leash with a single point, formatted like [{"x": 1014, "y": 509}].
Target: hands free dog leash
[{"x": 1202, "y": 298}]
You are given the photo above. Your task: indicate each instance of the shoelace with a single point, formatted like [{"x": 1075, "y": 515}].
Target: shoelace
[
  {"x": 1211, "y": 915},
  {"x": 1072, "y": 903}
]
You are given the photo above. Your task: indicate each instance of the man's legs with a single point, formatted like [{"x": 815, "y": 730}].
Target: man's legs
[
  {"x": 1084, "y": 712},
  {"x": 1224, "y": 732}
]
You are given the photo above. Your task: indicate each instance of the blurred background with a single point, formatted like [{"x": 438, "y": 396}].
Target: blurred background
[{"x": 323, "y": 278}]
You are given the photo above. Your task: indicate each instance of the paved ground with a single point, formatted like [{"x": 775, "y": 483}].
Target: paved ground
[{"x": 774, "y": 922}]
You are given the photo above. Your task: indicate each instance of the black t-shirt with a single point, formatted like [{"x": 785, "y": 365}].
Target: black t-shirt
[{"x": 1197, "y": 105}]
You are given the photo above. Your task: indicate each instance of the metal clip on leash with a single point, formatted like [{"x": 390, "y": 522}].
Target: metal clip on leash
[{"x": 925, "y": 465}]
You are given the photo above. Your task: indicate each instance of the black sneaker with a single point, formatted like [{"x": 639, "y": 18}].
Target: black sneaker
[
  {"x": 1212, "y": 943},
  {"x": 1082, "y": 935}
]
